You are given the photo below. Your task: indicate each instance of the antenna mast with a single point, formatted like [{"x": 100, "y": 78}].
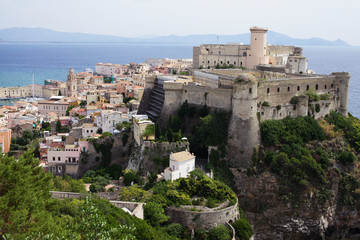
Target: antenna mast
[{"x": 33, "y": 86}]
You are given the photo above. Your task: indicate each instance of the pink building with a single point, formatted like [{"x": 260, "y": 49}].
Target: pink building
[{"x": 68, "y": 155}]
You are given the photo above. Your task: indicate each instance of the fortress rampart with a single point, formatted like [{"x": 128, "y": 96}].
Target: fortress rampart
[
  {"x": 244, "y": 96},
  {"x": 203, "y": 218}
]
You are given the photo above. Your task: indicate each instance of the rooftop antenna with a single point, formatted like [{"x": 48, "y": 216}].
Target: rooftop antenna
[{"x": 33, "y": 86}]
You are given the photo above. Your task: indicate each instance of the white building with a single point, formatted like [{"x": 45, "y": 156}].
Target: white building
[
  {"x": 116, "y": 99},
  {"x": 181, "y": 164},
  {"x": 108, "y": 119},
  {"x": 88, "y": 129}
]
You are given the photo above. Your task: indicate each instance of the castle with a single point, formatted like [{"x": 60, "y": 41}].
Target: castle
[{"x": 265, "y": 91}]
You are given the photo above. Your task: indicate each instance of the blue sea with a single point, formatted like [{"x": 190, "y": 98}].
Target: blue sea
[{"x": 18, "y": 62}]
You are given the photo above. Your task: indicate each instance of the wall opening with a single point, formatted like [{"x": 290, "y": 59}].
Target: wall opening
[
  {"x": 278, "y": 89},
  {"x": 307, "y": 87},
  {"x": 298, "y": 88},
  {"x": 268, "y": 90},
  {"x": 317, "y": 86},
  {"x": 288, "y": 89}
]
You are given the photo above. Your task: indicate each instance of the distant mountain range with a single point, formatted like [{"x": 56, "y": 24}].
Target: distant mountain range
[{"x": 27, "y": 35}]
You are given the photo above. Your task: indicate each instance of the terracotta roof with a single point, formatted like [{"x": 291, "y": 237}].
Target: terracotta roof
[{"x": 181, "y": 156}]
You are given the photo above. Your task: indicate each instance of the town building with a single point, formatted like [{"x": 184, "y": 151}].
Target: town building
[
  {"x": 108, "y": 119},
  {"x": 54, "y": 105},
  {"x": 5, "y": 139},
  {"x": 180, "y": 165}
]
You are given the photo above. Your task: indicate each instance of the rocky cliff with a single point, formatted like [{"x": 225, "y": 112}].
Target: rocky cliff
[{"x": 326, "y": 212}]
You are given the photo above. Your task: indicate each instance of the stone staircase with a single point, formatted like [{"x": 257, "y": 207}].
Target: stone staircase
[{"x": 156, "y": 101}]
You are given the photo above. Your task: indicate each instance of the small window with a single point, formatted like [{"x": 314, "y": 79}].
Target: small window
[
  {"x": 317, "y": 86},
  {"x": 240, "y": 63},
  {"x": 325, "y": 86},
  {"x": 288, "y": 89},
  {"x": 332, "y": 85},
  {"x": 307, "y": 87},
  {"x": 59, "y": 158},
  {"x": 250, "y": 90},
  {"x": 268, "y": 90},
  {"x": 337, "y": 90},
  {"x": 262, "y": 113},
  {"x": 278, "y": 89},
  {"x": 53, "y": 158},
  {"x": 228, "y": 62},
  {"x": 298, "y": 88}
]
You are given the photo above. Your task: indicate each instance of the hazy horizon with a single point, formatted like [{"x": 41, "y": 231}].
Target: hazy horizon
[{"x": 136, "y": 18}]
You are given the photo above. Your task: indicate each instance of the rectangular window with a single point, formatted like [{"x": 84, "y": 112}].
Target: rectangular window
[
  {"x": 288, "y": 89},
  {"x": 298, "y": 88},
  {"x": 278, "y": 89},
  {"x": 268, "y": 90},
  {"x": 59, "y": 158},
  {"x": 325, "y": 86},
  {"x": 332, "y": 85},
  {"x": 53, "y": 158},
  {"x": 250, "y": 90},
  {"x": 317, "y": 86},
  {"x": 307, "y": 87}
]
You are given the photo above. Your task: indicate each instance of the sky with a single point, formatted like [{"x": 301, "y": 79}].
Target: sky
[{"x": 330, "y": 19}]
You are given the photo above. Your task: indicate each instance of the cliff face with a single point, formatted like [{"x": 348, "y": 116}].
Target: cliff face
[{"x": 314, "y": 215}]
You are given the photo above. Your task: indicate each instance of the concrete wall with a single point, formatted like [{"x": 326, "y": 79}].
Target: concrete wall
[
  {"x": 136, "y": 208},
  {"x": 205, "y": 219}
]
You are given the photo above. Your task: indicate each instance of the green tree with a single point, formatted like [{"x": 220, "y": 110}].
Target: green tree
[
  {"x": 154, "y": 214},
  {"x": 93, "y": 225},
  {"x": 129, "y": 177},
  {"x": 24, "y": 191},
  {"x": 149, "y": 131},
  {"x": 58, "y": 127},
  {"x": 243, "y": 229},
  {"x": 219, "y": 233}
]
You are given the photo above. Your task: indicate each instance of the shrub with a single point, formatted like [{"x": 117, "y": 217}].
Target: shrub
[
  {"x": 154, "y": 214},
  {"x": 317, "y": 107},
  {"x": 325, "y": 96},
  {"x": 243, "y": 229},
  {"x": 311, "y": 93},
  {"x": 129, "y": 177},
  {"x": 265, "y": 104},
  {"x": 176, "y": 230},
  {"x": 346, "y": 157},
  {"x": 294, "y": 100},
  {"x": 278, "y": 107},
  {"x": 219, "y": 233},
  {"x": 349, "y": 125},
  {"x": 133, "y": 194},
  {"x": 211, "y": 203}
]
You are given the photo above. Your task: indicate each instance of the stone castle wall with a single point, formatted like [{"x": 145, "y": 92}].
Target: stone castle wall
[
  {"x": 245, "y": 100},
  {"x": 205, "y": 219}
]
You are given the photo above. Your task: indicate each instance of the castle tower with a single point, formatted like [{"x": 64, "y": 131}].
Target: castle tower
[
  {"x": 71, "y": 85},
  {"x": 342, "y": 80},
  {"x": 258, "y": 50},
  {"x": 244, "y": 132}
]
